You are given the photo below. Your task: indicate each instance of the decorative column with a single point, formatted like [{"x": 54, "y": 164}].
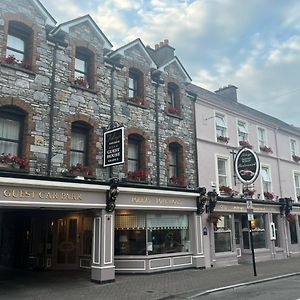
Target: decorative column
[{"x": 103, "y": 269}]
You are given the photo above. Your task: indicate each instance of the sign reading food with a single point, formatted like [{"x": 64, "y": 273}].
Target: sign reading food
[{"x": 246, "y": 165}]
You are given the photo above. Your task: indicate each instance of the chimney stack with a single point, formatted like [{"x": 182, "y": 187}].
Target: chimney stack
[{"x": 228, "y": 92}]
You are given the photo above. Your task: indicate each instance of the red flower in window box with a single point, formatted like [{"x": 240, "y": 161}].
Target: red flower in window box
[
  {"x": 178, "y": 180},
  {"x": 173, "y": 110},
  {"x": 225, "y": 189},
  {"x": 11, "y": 60},
  {"x": 266, "y": 149},
  {"x": 223, "y": 139},
  {"x": 138, "y": 100},
  {"x": 79, "y": 169},
  {"x": 296, "y": 158},
  {"x": 81, "y": 82},
  {"x": 269, "y": 195},
  {"x": 138, "y": 175},
  {"x": 245, "y": 144},
  {"x": 13, "y": 161},
  {"x": 249, "y": 192}
]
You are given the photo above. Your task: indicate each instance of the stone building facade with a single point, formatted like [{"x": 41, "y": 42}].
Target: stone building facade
[{"x": 61, "y": 87}]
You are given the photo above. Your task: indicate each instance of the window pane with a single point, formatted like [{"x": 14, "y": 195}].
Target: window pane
[
  {"x": 293, "y": 233},
  {"x": 293, "y": 147},
  {"x": 265, "y": 173},
  {"x": 9, "y": 129},
  {"x": 221, "y": 167},
  {"x": 15, "y": 43},
  {"x": 80, "y": 65},
  {"x": 133, "y": 150},
  {"x": 242, "y": 127},
  {"x": 78, "y": 141},
  {"x": 77, "y": 158},
  {"x": 223, "y": 234},
  {"x": 220, "y": 121},
  {"x": 19, "y": 56}
]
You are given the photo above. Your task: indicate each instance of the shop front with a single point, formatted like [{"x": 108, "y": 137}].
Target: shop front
[
  {"x": 157, "y": 230},
  {"x": 230, "y": 232}
]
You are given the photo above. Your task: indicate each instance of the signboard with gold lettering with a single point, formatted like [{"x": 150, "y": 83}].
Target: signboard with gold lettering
[{"x": 113, "y": 147}]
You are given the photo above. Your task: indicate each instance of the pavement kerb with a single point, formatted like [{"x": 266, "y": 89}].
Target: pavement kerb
[{"x": 241, "y": 284}]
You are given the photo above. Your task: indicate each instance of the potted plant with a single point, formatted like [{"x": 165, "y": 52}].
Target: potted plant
[
  {"x": 245, "y": 144},
  {"x": 249, "y": 192},
  {"x": 214, "y": 218},
  {"x": 292, "y": 218},
  {"x": 266, "y": 149},
  {"x": 11, "y": 60},
  {"x": 81, "y": 82},
  {"x": 269, "y": 195},
  {"x": 223, "y": 139},
  {"x": 177, "y": 180},
  {"x": 138, "y": 175},
  {"x": 13, "y": 161},
  {"x": 138, "y": 100}
]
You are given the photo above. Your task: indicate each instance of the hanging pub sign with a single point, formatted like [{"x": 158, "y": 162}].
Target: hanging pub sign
[
  {"x": 246, "y": 165},
  {"x": 113, "y": 141}
]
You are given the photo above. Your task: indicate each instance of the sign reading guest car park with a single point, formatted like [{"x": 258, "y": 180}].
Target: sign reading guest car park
[
  {"x": 113, "y": 147},
  {"x": 246, "y": 165}
]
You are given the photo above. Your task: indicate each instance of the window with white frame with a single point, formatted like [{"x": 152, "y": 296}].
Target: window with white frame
[
  {"x": 242, "y": 131},
  {"x": 266, "y": 179},
  {"x": 262, "y": 138},
  {"x": 220, "y": 126},
  {"x": 293, "y": 145},
  {"x": 223, "y": 172},
  {"x": 297, "y": 184}
]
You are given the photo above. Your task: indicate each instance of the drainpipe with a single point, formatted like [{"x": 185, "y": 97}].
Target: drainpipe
[
  {"x": 112, "y": 104},
  {"x": 278, "y": 161},
  {"x": 51, "y": 114},
  {"x": 156, "y": 85}
]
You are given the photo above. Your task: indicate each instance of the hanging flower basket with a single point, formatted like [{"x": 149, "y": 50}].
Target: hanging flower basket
[
  {"x": 292, "y": 218},
  {"x": 214, "y": 218}
]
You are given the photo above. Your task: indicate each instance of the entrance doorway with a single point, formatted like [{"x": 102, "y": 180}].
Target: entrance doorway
[{"x": 66, "y": 243}]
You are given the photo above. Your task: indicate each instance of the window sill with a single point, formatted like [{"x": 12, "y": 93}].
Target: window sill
[
  {"x": 136, "y": 104},
  {"x": 174, "y": 115},
  {"x": 177, "y": 186},
  {"x": 79, "y": 87},
  {"x": 80, "y": 176},
  {"x": 18, "y": 68},
  {"x": 135, "y": 181},
  {"x": 13, "y": 170}
]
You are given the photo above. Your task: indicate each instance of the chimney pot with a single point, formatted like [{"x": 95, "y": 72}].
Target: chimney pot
[
  {"x": 166, "y": 42},
  {"x": 161, "y": 44}
]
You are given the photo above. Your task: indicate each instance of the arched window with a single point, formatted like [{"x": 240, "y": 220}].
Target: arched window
[
  {"x": 173, "y": 105},
  {"x": 176, "y": 172},
  {"x": 19, "y": 44},
  {"x": 79, "y": 143},
  {"x": 11, "y": 130}
]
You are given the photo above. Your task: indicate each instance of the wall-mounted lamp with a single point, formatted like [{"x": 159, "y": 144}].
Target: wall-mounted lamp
[
  {"x": 212, "y": 201},
  {"x": 201, "y": 200}
]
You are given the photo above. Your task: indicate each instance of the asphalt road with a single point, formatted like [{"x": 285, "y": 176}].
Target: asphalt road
[{"x": 280, "y": 289}]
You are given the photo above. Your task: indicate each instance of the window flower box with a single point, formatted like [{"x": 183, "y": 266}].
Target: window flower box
[
  {"x": 11, "y": 60},
  {"x": 226, "y": 190},
  {"x": 245, "y": 144},
  {"x": 266, "y": 149},
  {"x": 223, "y": 139},
  {"x": 177, "y": 181},
  {"x": 296, "y": 158},
  {"x": 173, "y": 110},
  {"x": 80, "y": 81},
  {"x": 269, "y": 195},
  {"x": 13, "y": 162},
  {"x": 138, "y": 100},
  {"x": 138, "y": 175},
  {"x": 78, "y": 170}
]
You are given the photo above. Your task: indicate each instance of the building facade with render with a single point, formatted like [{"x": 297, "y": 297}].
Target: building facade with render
[{"x": 224, "y": 126}]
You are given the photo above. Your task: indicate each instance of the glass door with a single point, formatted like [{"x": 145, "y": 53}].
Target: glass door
[{"x": 66, "y": 243}]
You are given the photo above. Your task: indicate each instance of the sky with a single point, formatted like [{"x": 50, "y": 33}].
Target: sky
[{"x": 251, "y": 44}]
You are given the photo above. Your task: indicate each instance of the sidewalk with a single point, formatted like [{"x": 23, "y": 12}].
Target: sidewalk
[{"x": 31, "y": 285}]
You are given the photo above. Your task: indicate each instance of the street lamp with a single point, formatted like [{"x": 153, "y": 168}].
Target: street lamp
[
  {"x": 286, "y": 205},
  {"x": 201, "y": 200}
]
